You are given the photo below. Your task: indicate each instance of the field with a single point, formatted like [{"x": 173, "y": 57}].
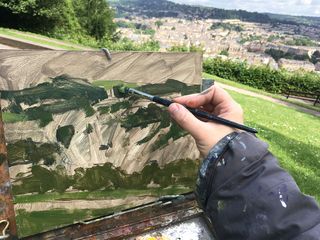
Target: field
[
  {"x": 13, "y": 117},
  {"x": 294, "y": 138},
  {"x": 109, "y": 84}
]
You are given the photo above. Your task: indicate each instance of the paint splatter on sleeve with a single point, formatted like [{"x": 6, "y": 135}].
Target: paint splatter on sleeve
[{"x": 247, "y": 195}]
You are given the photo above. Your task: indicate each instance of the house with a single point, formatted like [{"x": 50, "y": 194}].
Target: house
[{"x": 295, "y": 65}]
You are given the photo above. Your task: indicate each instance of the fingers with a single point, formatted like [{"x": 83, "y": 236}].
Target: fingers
[
  {"x": 221, "y": 97},
  {"x": 213, "y": 96},
  {"x": 187, "y": 120},
  {"x": 195, "y": 100}
]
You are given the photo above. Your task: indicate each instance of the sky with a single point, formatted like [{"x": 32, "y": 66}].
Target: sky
[{"x": 290, "y": 7}]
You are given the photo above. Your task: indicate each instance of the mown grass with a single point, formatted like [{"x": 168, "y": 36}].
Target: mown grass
[
  {"x": 255, "y": 90},
  {"x": 35, "y": 38},
  {"x": 13, "y": 117},
  {"x": 109, "y": 84},
  {"x": 30, "y": 223},
  {"x": 293, "y": 136}
]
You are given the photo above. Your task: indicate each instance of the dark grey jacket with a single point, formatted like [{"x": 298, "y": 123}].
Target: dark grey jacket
[{"x": 246, "y": 195}]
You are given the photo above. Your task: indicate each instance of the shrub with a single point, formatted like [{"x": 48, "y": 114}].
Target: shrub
[
  {"x": 39, "y": 113},
  {"x": 224, "y": 52},
  {"x": 65, "y": 134},
  {"x": 226, "y": 26},
  {"x": 89, "y": 129},
  {"x": 126, "y": 44},
  {"x": 158, "y": 23},
  {"x": 185, "y": 48},
  {"x": 302, "y": 41},
  {"x": 278, "y": 54},
  {"x": 250, "y": 38},
  {"x": 263, "y": 77}
]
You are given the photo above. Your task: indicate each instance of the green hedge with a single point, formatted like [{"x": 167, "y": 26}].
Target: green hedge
[{"x": 262, "y": 77}]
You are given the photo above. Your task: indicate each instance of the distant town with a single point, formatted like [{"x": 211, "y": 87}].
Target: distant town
[{"x": 274, "y": 45}]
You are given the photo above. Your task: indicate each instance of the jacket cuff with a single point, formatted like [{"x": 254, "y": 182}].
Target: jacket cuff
[{"x": 207, "y": 167}]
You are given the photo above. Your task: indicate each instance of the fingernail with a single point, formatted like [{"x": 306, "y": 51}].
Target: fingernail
[{"x": 173, "y": 108}]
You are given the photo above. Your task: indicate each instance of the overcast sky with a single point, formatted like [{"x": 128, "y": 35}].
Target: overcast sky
[{"x": 291, "y": 7}]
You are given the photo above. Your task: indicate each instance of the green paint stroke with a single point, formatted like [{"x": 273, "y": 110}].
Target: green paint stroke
[{"x": 65, "y": 134}]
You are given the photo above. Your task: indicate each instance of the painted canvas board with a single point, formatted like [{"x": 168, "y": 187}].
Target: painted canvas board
[{"x": 77, "y": 150}]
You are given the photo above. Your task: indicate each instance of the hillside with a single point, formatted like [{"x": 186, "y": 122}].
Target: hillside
[
  {"x": 164, "y": 8},
  {"x": 311, "y": 21},
  {"x": 22, "y": 40},
  {"x": 108, "y": 126}
]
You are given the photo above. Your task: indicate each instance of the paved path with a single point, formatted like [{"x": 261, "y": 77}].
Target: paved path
[{"x": 257, "y": 95}]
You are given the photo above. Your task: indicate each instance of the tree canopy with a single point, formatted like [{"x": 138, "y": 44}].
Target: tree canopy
[
  {"x": 59, "y": 17},
  {"x": 95, "y": 17}
]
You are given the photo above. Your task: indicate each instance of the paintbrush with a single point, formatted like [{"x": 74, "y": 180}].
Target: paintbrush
[{"x": 122, "y": 91}]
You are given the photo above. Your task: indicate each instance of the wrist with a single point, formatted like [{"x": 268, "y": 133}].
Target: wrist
[
  {"x": 208, "y": 165},
  {"x": 214, "y": 137}
]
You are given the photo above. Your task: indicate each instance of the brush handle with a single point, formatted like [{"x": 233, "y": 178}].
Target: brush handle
[
  {"x": 162, "y": 101},
  {"x": 205, "y": 115}
]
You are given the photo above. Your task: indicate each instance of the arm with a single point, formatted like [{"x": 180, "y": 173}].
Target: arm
[{"x": 241, "y": 187}]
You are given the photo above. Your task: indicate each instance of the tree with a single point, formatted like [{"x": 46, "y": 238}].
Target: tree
[
  {"x": 185, "y": 48},
  {"x": 315, "y": 57},
  {"x": 35, "y": 15},
  {"x": 158, "y": 23},
  {"x": 224, "y": 52},
  {"x": 78, "y": 20},
  {"x": 95, "y": 17}
]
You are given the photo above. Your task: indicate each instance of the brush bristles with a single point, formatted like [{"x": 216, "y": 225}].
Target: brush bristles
[
  {"x": 123, "y": 89},
  {"x": 120, "y": 91}
]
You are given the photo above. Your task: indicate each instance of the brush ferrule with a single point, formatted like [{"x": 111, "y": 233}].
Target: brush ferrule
[{"x": 134, "y": 91}]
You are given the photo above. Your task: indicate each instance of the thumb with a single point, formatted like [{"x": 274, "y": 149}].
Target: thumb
[{"x": 187, "y": 120}]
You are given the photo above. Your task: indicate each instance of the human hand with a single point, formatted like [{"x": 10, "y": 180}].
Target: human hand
[{"x": 214, "y": 100}]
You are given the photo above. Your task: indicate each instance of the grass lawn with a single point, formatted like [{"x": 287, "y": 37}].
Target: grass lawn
[
  {"x": 294, "y": 138},
  {"x": 40, "y": 39},
  {"x": 30, "y": 223},
  {"x": 13, "y": 117},
  {"x": 255, "y": 90},
  {"x": 108, "y": 84}
]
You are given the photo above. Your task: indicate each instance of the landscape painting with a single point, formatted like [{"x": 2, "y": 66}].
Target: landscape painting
[{"x": 76, "y": 149}]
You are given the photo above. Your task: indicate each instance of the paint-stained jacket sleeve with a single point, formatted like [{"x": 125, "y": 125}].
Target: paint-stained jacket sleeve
[{"x": 247, "y": 195}]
